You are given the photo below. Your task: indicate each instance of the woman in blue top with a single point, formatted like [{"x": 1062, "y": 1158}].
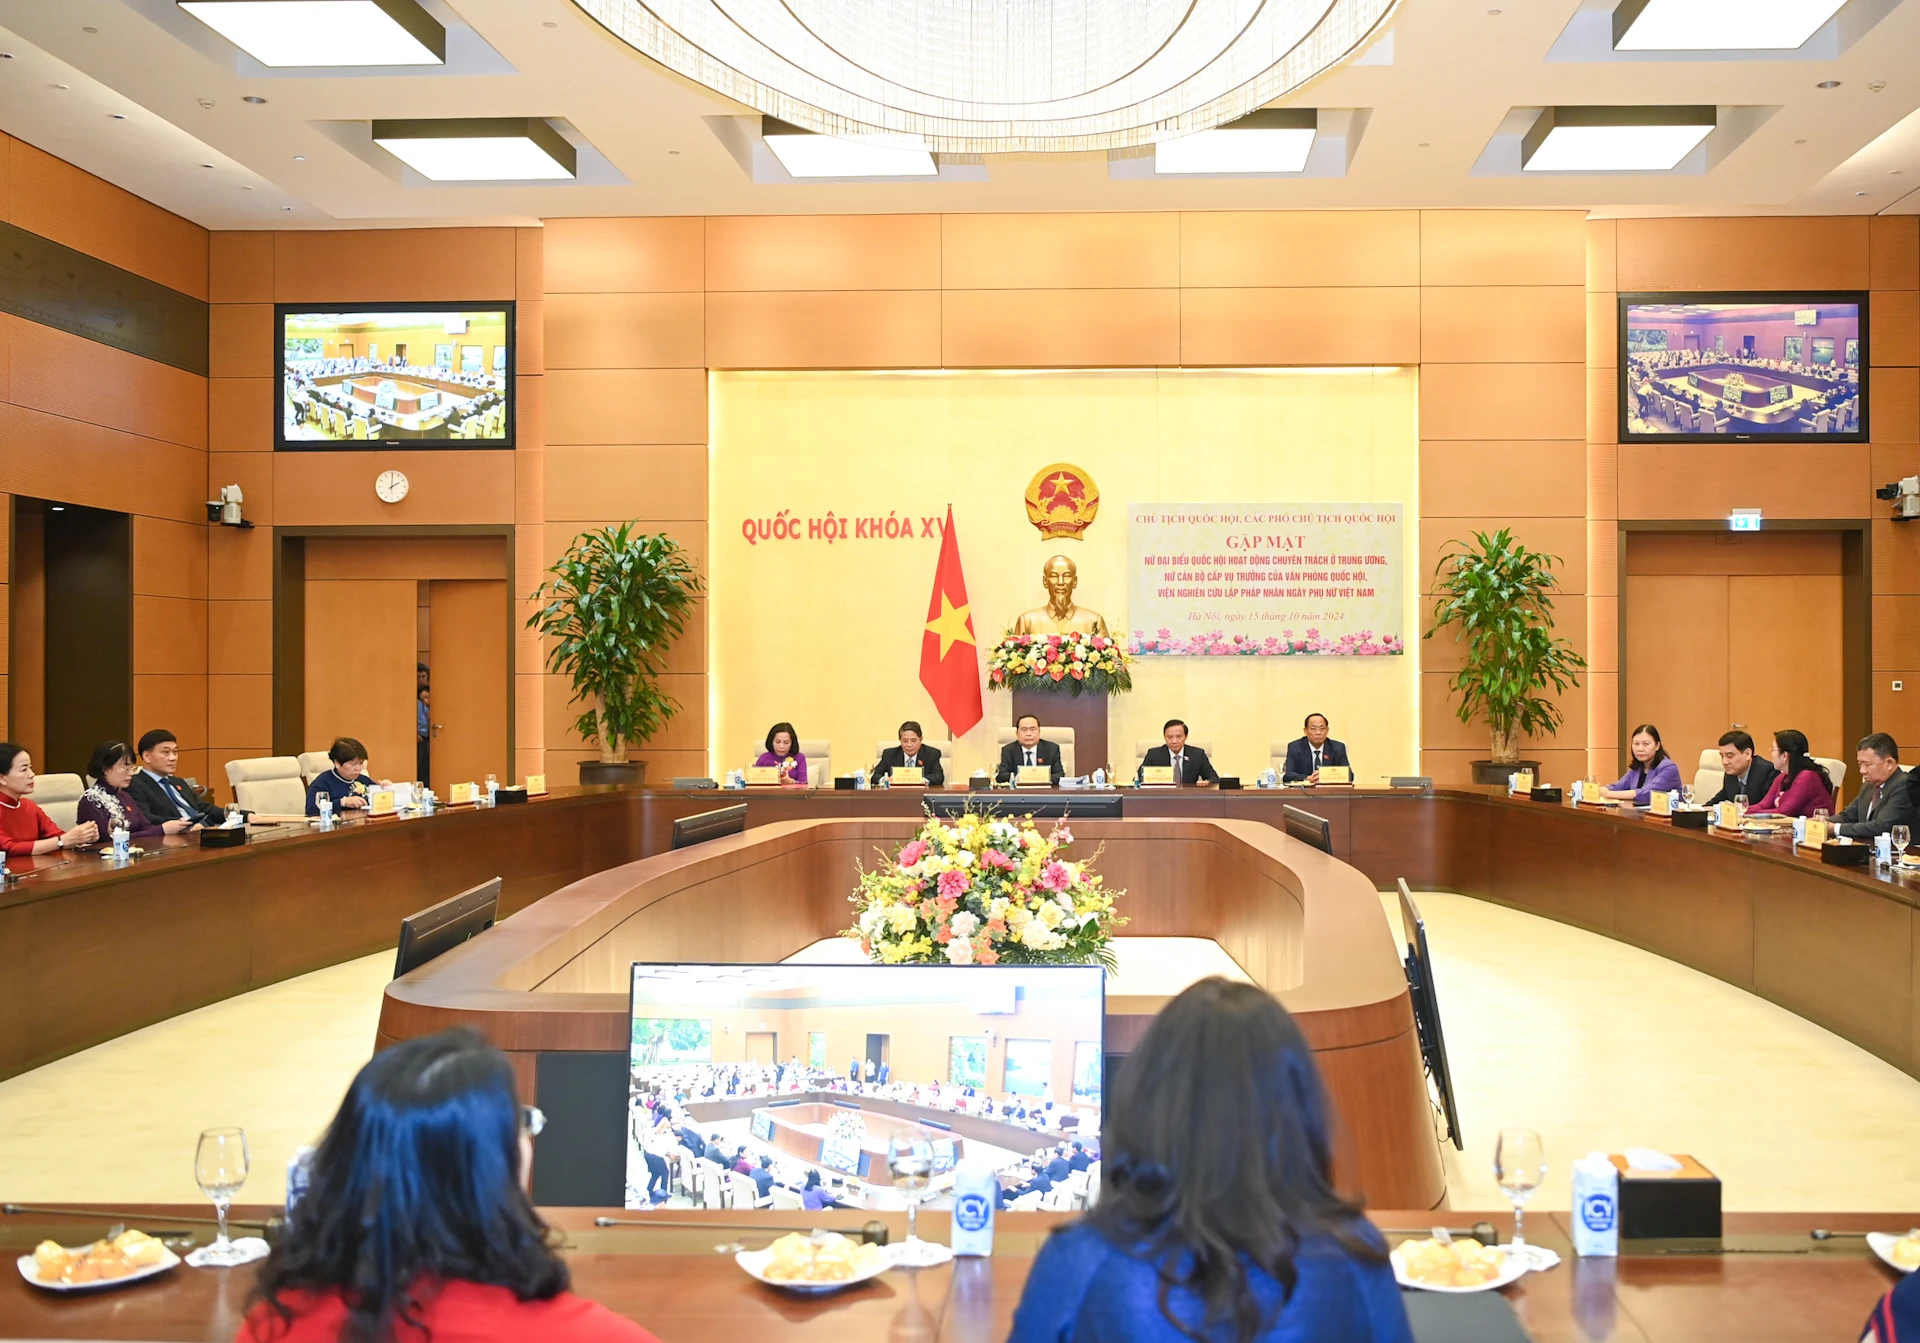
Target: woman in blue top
[
  {"x": 1217, "y": 1221},
  {"x": 346, "y": 781}
]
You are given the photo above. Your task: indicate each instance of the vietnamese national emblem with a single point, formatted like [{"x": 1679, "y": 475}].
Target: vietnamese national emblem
[{"x": 1062, "y": 501}]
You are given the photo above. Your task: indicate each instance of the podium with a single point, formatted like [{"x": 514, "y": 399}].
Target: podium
[{"x": 1085, "y": 714}]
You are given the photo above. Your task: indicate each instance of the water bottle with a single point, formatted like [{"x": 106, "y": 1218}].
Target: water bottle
[
  {"x": 1099, "y": 778},
  {"x": 860, "y": 781},
  {"x": 973, "y": 1199},
  {"x": 299, "y": 1176},
  {"x": 1882, "y": 852},
  {"x": 122, "y": 842},
  {"x": 3, "y": 867},
  {"x": 324, "y": 804},
  {"x": 493, "y": 790},
  {"x": 886, "y": 780},
  {"x": 1596, "y": 1206}
]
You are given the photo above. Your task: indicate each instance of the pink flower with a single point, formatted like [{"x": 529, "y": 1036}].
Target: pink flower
[
  {"x": 953, "y": 883},
  {"x": 1055, "y": 877},
  {"x": 913, "y": 853},
  {"x": 996, "y": 859},
  {"x": 1062, "y": 836}
]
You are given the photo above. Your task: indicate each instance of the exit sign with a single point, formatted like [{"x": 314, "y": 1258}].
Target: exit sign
[{"x": 1744, "y": 520}]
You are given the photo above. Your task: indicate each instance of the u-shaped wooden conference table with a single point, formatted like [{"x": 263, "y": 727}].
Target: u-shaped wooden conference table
[{"x": 95, "y": 951}]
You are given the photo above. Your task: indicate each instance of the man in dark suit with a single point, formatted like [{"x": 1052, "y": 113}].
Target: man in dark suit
[
  {"x": 1305, "y": 755},
  {"x": 1041, "y": 1182},
  {"x": 1058, "y": 1168},
  {"x": 1886, "y": 796},
  {"x": 160, "y": 795},
  {"x": 762, "y": 1176},
  {"x": 1190, "y": 764},
  {"x": 1079, "y": 1160},
  {"x": 911, "y": 751},
  {"x": 1028, "y": 749},
  {"x": 1748, "y": 774}
]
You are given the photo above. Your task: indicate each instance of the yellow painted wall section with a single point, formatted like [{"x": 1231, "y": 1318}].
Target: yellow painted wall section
[{"x": 827, "y": 636}]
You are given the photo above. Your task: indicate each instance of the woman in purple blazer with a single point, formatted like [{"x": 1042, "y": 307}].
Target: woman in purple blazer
[
  {"x": 109, "y": 805},
  {"x": 783, "y": 752},
  {"x": 1802, "y": 786},
  {"x": 1653, "y": 770}
]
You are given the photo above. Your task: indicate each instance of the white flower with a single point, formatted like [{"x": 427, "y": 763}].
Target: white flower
[
  {"x": 997, "y": 909},
  {"x": 901, "y": 918},
  {"x": 960, "y": 951},
  {"x": 964, "y": 924},
  {"x": 871, "y": 918},
  {"x": 1049, "y": 915},
  {"x": 1065, "y": 901},
  {"x": 964, "y": 858}
]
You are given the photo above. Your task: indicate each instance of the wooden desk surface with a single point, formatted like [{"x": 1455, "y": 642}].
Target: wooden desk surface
[{"x": 1766, "y": 1281}]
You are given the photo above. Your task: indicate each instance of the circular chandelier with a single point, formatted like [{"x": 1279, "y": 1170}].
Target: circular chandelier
[{"x": 997, "y": 76}]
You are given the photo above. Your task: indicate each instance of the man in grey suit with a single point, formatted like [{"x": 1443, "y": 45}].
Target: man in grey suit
[{"x": 1885, "y": 798}]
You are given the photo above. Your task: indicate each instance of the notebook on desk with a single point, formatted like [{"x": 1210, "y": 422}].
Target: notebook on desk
[{"x": 1476, "y": 1317}]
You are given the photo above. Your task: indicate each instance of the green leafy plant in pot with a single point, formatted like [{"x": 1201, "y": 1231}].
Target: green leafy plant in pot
[
  {"x": 613, "y": 605},
  {"x": 1496, "y": 595}
]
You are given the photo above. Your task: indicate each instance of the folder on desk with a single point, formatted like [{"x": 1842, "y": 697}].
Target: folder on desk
[{"x": 1034, "y": 776}]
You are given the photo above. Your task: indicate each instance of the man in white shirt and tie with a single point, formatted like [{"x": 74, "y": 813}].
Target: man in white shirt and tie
[
  {"x": 1305, "y": 755},
  {"x": 1029, "y": 748},
  {"x": 1190, "y": 765}
]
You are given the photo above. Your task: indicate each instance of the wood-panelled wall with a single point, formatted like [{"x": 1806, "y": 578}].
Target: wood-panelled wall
[
  {"x": 84, "y": 423},
  {"x": 1695, "y": 482},
  {"x": 1488, "y": 303},
  {"x": 250, "y": 272}
]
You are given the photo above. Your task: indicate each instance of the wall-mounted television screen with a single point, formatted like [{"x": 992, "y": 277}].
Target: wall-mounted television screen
[
  {"x": 1743, "y": 366},
  {"x": 415, "y": 375}
]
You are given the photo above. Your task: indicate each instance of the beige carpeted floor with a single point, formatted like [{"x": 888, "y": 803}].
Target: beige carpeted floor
[{"x": 1593, "y": 1043}]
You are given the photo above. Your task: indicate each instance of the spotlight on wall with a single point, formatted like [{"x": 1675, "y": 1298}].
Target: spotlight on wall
[
  {"x": 1718, "y": 25},
  {"x": 804, "y": 154},
  {"x": 326, "y": 32},
  {"x": 1613, "y": 139},
  {"x": 1269, "y": 140},
  {"x": 479, "y": 149}
]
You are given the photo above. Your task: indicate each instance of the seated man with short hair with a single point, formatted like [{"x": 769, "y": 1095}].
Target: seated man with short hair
[
  {"x": 1305, "y": 755},
  {"x": 1886, "y": 795},
  {"x": 160, "y": 795},
  {"x": 1029, "y": 749},
  {"x": 912, "y": 750},
  {"x": 1748, "y": 775},
  {"x": 1189, "y": 763}
]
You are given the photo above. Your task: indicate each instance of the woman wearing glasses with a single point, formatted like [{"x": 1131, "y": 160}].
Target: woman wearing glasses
[{"x": 416, "y": 1223}]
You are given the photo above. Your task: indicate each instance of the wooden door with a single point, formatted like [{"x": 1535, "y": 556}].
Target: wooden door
[
  {"x": 1677, "y": 661},
  {"x": 361, "y": 636},
  {"x": 1785, "y": 666},
  {"x": 467, "y": 630},
  {"x": 760, "y": 1046}
]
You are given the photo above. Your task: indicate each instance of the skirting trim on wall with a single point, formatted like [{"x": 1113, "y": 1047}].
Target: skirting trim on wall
[{"x": 45, "y": 282}]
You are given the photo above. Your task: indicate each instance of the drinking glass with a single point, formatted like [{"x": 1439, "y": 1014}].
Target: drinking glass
[
  {"x": 1819, "y": 813},
  {"x": 1740, "y": 805},
  {"x": 1902, "y": 837},
  {"x": 910, "y": 1159},
  {"x": 220, "y": 1168},
  {"x": 1686, "y": 795},
  {"x": 1519, "y": 1164}
]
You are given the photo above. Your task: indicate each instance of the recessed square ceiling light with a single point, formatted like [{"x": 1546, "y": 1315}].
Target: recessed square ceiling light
[
  {"x": 479, "y": 149},
  {"x": 1718, "y": 25},
  {"x": 1613, "y": 139},
  {"x": 804, "y": 154},
  {"x": 326, "y": 32},
  {"x": 1270, "y": 140}
]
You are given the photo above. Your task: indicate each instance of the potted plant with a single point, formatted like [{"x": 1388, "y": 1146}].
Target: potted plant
[
  {"x": 1497, "y": 594},
  {"x": 613, "y": 605}
]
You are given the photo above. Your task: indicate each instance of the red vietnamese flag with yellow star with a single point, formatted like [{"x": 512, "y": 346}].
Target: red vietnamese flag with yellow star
[{"x": 949, "y": 657}]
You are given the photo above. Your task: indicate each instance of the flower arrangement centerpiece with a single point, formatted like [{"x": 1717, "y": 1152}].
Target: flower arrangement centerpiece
[
  {"x": 1079, "y": 664},
  {"x": 985, "y": 890}
]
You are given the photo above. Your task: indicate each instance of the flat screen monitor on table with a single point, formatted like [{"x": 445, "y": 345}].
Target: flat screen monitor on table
[
  {"x": 416, "y": 375},
  {"x": 1744, "y": 366},
  {"x": 442, "y": 927},
  {"x": 748, "y": 1050}
]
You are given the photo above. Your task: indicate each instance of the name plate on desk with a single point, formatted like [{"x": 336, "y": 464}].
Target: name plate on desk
[
  {"x": 458, "y": 793},
  {"x": 380, "y": 802},
  {"x": 1034, "y": 776},
  {"x": 1659, "y": 804},
  {"x": 536, "y": 785},
  {"x": 1726, "y": 816},
  {"x": 1156, "y": 776},
  {"x": 908, "y": 776},
  {"x": 762, "y": 776},
  {"x": 1336, "y": 774}
]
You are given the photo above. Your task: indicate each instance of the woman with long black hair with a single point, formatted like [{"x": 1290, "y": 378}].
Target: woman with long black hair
[
  {"x": 416, "y": 1224},
  {"x": 1218, "y": 1221},
  {"x": 1803, "y": 785}
]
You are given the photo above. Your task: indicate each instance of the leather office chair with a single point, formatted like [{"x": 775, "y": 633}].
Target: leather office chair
[
  {"x": 1059, "y": 736},
  {"x": 268, "y": 784},
  {"x": 313, "y": 764},
  {"x": 1709, "y": 777},
  {"x": 58, "y": 795},
  {"x": 1837, "y": 771}
]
